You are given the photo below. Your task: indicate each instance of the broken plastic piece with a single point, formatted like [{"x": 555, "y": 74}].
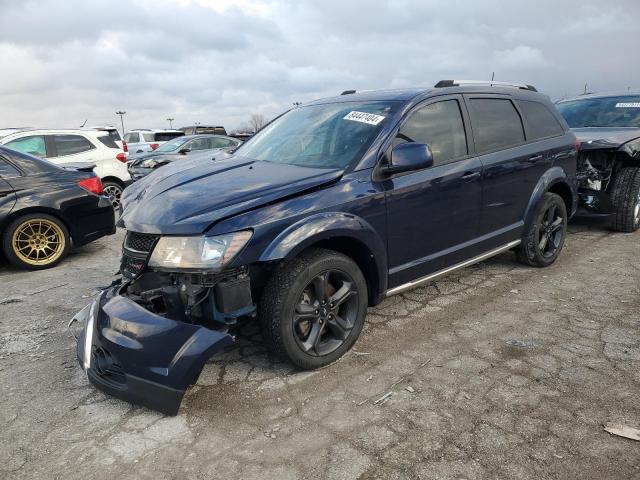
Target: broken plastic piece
[{"x": 622, "y": 431}]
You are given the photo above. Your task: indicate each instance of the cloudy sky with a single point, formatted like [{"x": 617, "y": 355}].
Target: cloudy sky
[{"x": 219, "y": 61}]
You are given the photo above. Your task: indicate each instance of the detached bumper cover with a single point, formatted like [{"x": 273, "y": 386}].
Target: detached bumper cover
[{"x": 138, "y": 356}]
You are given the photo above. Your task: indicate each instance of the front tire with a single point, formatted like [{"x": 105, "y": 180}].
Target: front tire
[
  {"x": 36, "y": 241},
  {"x": 625, "y": 195},
  {"x": 313, "y": 308},
  {"x": 544, "y": 237}
]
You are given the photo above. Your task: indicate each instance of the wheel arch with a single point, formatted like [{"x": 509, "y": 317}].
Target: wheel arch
[
  {"x": 563, "y": 189},
  {"x": 554, "y": 180},
  {"x": 344, "y": 233},
  {"x": 111, "y": 178},
  {"x": 31, "y": 210}
]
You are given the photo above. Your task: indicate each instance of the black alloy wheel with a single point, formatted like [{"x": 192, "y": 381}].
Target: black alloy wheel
[
  {"x": 544, "y": 235},
  {"x": 313, "y": 307},
  {"x": 326, "y": 313},
  {"x": 550, "y": 231}
]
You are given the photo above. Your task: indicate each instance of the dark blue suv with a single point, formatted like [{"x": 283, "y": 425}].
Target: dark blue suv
[{"x": 332, "y": 207}]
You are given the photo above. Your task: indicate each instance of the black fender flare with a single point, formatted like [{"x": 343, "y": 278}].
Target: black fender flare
[
  {"x": 324, "y": 226},
  {"x": 553, "y": 176}
]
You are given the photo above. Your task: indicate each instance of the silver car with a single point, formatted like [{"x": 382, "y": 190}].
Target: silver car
[{"x": 145, "y": 140}]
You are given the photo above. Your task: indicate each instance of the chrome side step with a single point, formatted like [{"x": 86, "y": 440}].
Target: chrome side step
[{"x": 466, "y": 263}]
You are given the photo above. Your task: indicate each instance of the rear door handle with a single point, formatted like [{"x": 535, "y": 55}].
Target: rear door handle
[
  {"x": 468, "y": 176},
  {"x": 535, "y": 158}
]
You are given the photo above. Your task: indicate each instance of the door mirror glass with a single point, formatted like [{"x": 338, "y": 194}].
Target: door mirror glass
[
  {"x": 185, "y": 150},
  {"x": 407, "y": 157}
]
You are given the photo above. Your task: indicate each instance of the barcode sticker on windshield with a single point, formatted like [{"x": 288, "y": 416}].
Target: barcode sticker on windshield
[
  {"x": 370, "y": 118},
  {"x": 628, "y": 105}
]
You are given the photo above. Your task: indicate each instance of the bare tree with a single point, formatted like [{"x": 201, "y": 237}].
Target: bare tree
[
  {"x": 243, "y": 128},
  {"x": 257, "y": 121}
]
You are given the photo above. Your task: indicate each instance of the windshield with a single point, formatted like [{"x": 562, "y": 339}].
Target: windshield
[
  {"x": 622, "y": 111},
  {"x": 173, "y": 145},
  {"x": 321, "y": 136}
]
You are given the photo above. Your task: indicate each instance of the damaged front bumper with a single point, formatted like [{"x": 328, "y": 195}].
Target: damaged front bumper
[
  {"x": 139, "y": 356},
  {"x": 595, "y": 204}
]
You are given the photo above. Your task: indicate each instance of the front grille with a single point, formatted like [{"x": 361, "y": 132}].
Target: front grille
[
  {"x": 137, "y": 247},
  {"x": 140, "y": 242},
  {"x": 131, "y": 267}
]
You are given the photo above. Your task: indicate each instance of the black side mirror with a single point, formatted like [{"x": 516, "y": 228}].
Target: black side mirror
[
  {"x": 407, "y": 157},
  {"x": 185, "y": 150}
]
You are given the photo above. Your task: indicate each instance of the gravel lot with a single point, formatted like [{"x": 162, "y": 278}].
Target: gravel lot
[{"x": 498, "y": 371}]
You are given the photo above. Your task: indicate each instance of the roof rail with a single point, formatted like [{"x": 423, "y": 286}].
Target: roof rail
[
  {"x": 348, "y": 92},
  {"x": 490, "y": 83}
]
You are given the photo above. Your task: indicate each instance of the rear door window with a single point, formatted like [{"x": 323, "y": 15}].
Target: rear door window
[
  {"x": 222, "y": 143},
  {"x": 541, "y": 123},
  {"x": 496, "y": 124},
  {"x": 71, "y": 144},
  {"x": 33, "y": 145},
  {"x": 439, "y": 125},
  {"x": 198, "y": 144}
]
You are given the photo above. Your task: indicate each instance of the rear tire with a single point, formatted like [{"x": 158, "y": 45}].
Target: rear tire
[
  {"x": 313, "y": 307},
  {"x": 544, "y": 237},
  {"x": 625, "y": 196},
  {"x": 36, "y": 241},
  {"x": 113, "y": 190}
]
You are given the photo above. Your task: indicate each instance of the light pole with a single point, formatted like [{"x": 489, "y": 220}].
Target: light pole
[
  {"x": 170, "y": 120},
  {"x": 121, "y": 113}
]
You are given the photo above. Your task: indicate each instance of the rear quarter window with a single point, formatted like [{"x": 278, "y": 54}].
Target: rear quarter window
[
  {"x": 108, "y": 141},
  {"x": 496, "y": 124},
  {"x": 541, "y": 123},
  {"x": 115, "y": 135},
  {"x": 131, "y": 138}
]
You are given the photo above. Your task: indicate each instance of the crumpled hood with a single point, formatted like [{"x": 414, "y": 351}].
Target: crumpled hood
[
  {"x": 605, "y": 137},
  {"x": 185, "y": 198}
]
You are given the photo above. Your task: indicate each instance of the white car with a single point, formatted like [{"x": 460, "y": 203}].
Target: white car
[
  {"x": 77, "y": 146},
  {"x": 144, "y": 140}
]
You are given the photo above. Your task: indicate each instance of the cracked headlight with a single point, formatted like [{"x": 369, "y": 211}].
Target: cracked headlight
[
  {"x": 149, "y": 163},
  {"x": 198, "y": 252}
]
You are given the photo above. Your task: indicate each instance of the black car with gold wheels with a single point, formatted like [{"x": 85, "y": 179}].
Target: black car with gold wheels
[{"x": 45, "y": 209}]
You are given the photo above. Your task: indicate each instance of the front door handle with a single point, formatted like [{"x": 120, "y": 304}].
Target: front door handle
[
  {"x": 3, "y": 194},
  {"x": 535, "y": 158},
  {"x": 468, "y": 176}
]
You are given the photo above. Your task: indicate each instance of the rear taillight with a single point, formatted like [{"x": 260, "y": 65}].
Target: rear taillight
[
  {"x": 122, "y": 157},
  {"x": 154, "y": 146},
  {"x": 125, "y": 147},
  {"x": 577, "y": 144},
  {"x": 92, "y": 184}
]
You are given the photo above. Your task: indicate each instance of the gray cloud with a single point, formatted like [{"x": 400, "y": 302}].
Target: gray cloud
[{"x": 65, "y": 61}]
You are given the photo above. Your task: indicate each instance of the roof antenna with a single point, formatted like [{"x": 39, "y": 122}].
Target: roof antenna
[
  {"x": 85, "y": 122},
  {"x": 492, "y": 75},
  {"x": 585, "y": 89}
]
